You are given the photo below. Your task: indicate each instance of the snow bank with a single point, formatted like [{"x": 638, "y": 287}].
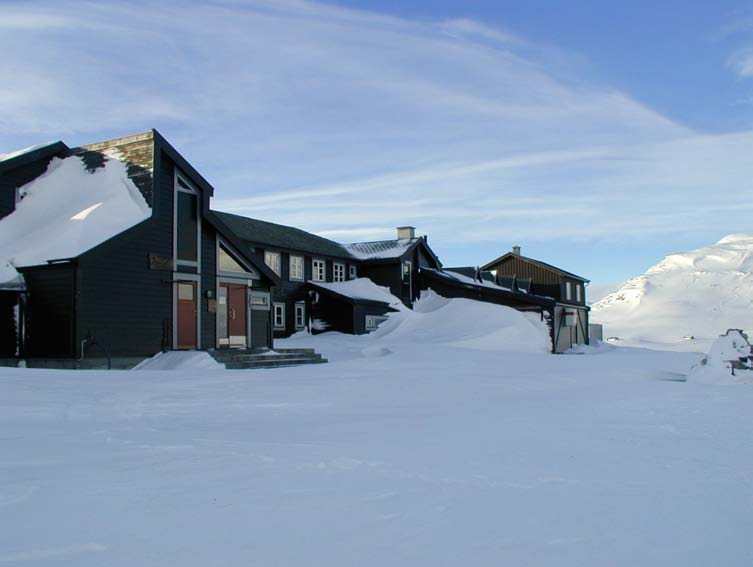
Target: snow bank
[
  {"x": 180, "y": 360},
  {"x": 362, "y": 288},
  {"x": 466, "y": 323},
  {"x": 701, "y": 293},
  {"x": 436, "y": 321},
  {"x": 67, "y": 211},
  {"x": 729, "y": 360}
]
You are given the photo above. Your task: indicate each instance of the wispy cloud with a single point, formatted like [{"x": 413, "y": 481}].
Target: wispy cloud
[
  {"x": 345, "y": 122},
  {"x": 741, "y": 62}
]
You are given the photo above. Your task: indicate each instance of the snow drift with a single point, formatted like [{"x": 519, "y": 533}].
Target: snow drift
[
  {"x": 67, "y": 211},
  {"x": 697, "y": 294},
  {"x": 437, "y": 321},
  {"x": 730, "y": 359}
]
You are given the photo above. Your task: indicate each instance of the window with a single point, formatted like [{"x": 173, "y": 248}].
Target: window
[
  {"x": 339, "y": 271},
  {"x": 407, "y": 267},
  {"x": 278, "y": 316},
  {"x": 226, "y": 263},
  {"x": 318, "y": 270},
  {"x": 353, "y": 274},
  {"x": 186, "y": 222},
  {"x": 568, "y": 291},
  {"x": 373, "y": 321},
  {"x": 272, "y": 259},
  {"x": 296, "y": 268},
  {"x": 578, "y": 293},
  {"x": 300, "y": 315}
]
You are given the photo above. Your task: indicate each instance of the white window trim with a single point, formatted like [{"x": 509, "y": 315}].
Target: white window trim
[
  {"x": 300, "y": 305},
  {"x": 270, "y": 253},
  {"x": 352, "y": 272},
  {"x": 191, "y": 190},
  {"x": 568, "y": 291},
  {"x": 249, "y": 273},
  {"x": 375, "y": 320},
  {"x": 314, "y": 270},
  {"x": 302, "y": 264},
  {"x": 337, "y": 266},
  {"x": 578, "y": 293},
  {"x": 275, "y": 306}
]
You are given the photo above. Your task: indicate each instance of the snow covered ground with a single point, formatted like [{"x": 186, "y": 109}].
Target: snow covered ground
[{"x": 429, "y": 448}]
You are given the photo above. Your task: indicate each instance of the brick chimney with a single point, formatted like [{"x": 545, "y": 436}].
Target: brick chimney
[
  {"x": 516, "y": 250},
  {"x": 406, "y": 232}
]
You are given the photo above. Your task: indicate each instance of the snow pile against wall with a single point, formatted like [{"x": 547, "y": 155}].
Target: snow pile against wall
[
  {"x": 177, "y": 360},
  {"x": 697, "y": 294},
  {"x": 67, "y": 211},
  {"x": 362, "y": 288},
  {"x": 730, "y": 359},
  {"x": 467, "y": 323}
]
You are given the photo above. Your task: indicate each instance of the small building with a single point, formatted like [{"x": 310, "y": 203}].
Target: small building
[
  {"x": 355, "y": 307},
  {"x": 396, "y": 263},
  {"x": 111, "y": 250},
  {"x": 570, "y": 314}
]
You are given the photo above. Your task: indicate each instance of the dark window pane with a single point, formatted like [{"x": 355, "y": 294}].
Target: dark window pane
[{"x": 187, "y": 236}]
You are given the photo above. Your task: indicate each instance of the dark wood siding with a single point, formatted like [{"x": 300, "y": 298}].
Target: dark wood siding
[
  {"x": 124, "y": 305},
  {"x": 51, "y": 321},
  {"x": 8, "y": 337},
  {"x": 18, "y": 177}
]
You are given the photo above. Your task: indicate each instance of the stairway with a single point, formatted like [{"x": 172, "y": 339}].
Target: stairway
[{"x": 237, "y": 359}]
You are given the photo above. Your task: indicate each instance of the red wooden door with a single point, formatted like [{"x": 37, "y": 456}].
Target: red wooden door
[
  {"x": 187, "y": 311},
  {"x": 236, "y": 314}
]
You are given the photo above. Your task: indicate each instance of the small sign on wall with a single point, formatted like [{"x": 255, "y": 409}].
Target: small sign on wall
[
  {"x": 212, "y": 305},
  {"x": 157, "y": 262},
  {"x": 570, "y": 317}
]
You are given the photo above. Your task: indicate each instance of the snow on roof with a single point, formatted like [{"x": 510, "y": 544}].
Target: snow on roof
[
  {"x": 361, "y": 288},
  {"x": 67, "y": 211},
  {"x": 472, "y": 281},
  {"x": 380, "y": 249},
  {"x": 11, "y": 155}
]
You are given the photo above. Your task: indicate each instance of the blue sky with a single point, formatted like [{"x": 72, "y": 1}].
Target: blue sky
[{"x": 599, "y": 136}]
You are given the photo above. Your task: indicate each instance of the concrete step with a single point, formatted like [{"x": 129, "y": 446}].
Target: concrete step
[
  {"x": 266, "y": 358},
  {"x": 280, "y": 362}
]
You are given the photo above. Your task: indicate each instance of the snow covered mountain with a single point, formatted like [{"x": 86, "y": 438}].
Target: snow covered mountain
[{"x": 700, "y": 293}]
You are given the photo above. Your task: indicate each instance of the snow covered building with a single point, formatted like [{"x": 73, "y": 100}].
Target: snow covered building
[
  {"x": 325, "y": 285},
  {"x": 111, "y": 249},
  {"x": 567, "y": 292},
  {"x": 396, "y": 263}
]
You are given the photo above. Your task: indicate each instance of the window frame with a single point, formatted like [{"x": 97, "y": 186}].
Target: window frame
[
  {"x": 190, "y": 189},
  {"x": 335, "y": 277},
  {"x": 376, "y": 321},
  {"x": 352, "y": 272},
  {"x": 275, "y": 306},
  {"x": 568, "y": 291},
  {"x": 579, "y": 293},
  {"x": 323, "y": 263},
  {"x": 299, "y": 307},
  {"x": 272, "y": 253},
  {"x": 291, "y": 277}
]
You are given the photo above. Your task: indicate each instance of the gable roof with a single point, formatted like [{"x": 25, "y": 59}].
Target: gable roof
[
  {"x": 388, "y": 250},
  {"x": 555, "y": 269},
  {"x": 281, "y": 236},
  {"x": 67, "y": 211},
  {"x": 234, "y": 240},
  {"x": 31, "y": 154}
]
